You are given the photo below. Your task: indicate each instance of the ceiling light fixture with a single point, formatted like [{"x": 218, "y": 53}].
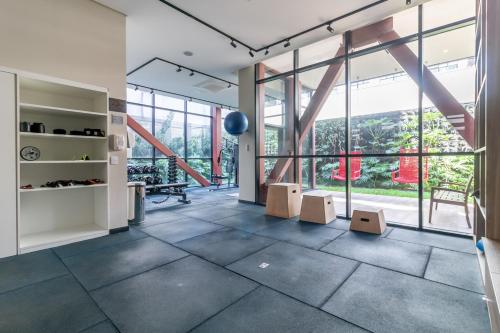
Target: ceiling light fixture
[
  {"x": 136, "y": 88},
  {"x": 229, "y": 85},
  {"x": 234, "y": 41},
  {"x": 152, "y": 91},
  {"x": 287, "y": 44},
  {"x": 408, "y": 2},
  {"x": 191, "y": 74},
  {"x": 267, "y": 52},
  {"x": 330, "y": 29},
  {"x": 179, "y": 69},
  {"x": 250, "y": 53}
]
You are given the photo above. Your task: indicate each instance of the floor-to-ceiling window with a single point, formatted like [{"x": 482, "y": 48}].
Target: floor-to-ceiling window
[
  {"x": 183, "y": 126},
  {"x": 382, "y": 117}
]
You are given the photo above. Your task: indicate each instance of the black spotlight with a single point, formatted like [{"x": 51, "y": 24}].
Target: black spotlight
[
  {"x": 267, "y": 52},
  {"x": 191, "y": 74},
  {"x": 136, "y": 88},
  {"x": 152, "y": 91},
  {"x": 250, "y": 53},
  {"x": 330, "y": 29},
  {"x": 179, "y": 69},
  {"x": 233, "y": 44},
  {"x": 229, "y": 85},
  {"x": 287, "y": 44}
]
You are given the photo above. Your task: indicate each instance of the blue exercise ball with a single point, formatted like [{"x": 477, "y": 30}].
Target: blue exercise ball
[{"x": 236, "y": 123}]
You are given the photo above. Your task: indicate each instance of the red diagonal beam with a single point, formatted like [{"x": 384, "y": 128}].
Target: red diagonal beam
[
  {"x": 165, "y": 150},
  {"x": 369, "y": 34},
  {"x": 444, "y": 101}
]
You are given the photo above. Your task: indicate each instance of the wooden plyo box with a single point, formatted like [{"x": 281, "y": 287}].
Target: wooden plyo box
[
  {"x": 317, "y": 207},
  {"x": 283, "y": 200},
  {"x": 372, "y": 221}
]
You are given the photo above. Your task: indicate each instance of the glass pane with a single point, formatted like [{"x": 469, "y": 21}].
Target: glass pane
[
  {"x": 324, "y": 133},
  {"x": 144, "y": 116},
  {"x": 278, "y": 64},
  {"x": 383, "y": 99},
  {"x": 277, "y": 117},
  {"x": 437, "y": 13},
  {"x": 274, "y": 170},
  {"x": 317, "y": 174},
  {"x": 136, "y": 177},
  {"x": 404, "y": 23},
  {"x": 169, "y": 129},
  {"x": 198, "y": 136},
  {"x": 225, "y": 112},
  {"x": 448, "y": 112},
  {"x": 449, "y": 186},
  {"x": 198, "y": 108},
  {"x": 389, "y": 183},
  {"x": 204, "y": 167},
  {"x": 168, "y": 102},
  {"x": 162, "y": 164},
  {"x": 229, "y": 158},
  {"x": 323, "y": 50},
  {"x": 140, "y": 97}
]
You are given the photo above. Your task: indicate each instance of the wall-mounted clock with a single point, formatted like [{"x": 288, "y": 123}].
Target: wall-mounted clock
[{"x": 30, "y": 153}]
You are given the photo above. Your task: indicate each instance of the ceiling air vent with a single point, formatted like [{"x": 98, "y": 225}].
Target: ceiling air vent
[{"x": 213, "y": 86}]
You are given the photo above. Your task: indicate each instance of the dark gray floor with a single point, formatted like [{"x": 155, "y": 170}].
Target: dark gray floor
[{"x": 218, "y": 265}]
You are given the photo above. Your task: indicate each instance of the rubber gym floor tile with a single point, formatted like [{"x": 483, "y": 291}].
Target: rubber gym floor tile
[
  {"x": 56, "y": 305},
  {"x": 213, "y": 213},
  {"x": 456, "y": 269},
  {"x": 311, "y": 235},
  {"x": 20, "y": 271},
  {"x": 432, "y": 239},
  {"x": 224, "y": 246},
  {"x": 376, "y": 250},
  {"x": 155, "y": 218},
  {"x": 102, "y": 327},
  {"x": 308, "y": 275},
  {"x": 98, "y": 243},
  {"x": 245, "y": 207},
  {"x": 381, "y": 300},
  {"x": 172, "y": 298},
  {"x": 265, "y": 310},
  {"x": 178, "y": 231},
  {"x": 339, "y": 224},
  {"x": 111, "y": 264},
  {"x": 251, "y": 222}
]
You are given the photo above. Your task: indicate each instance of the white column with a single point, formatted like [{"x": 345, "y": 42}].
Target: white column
[
  {"x": 8, "y": 166},
  {"x": 247, "y": 140}
]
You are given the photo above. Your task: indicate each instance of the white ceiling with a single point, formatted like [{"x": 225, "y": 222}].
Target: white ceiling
[{"x": 156, "y": 30}]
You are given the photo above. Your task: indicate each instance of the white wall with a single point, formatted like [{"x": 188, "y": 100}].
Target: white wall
[
  {"x": 247, "y": 140},
  {"x": 78, "y": 40}
]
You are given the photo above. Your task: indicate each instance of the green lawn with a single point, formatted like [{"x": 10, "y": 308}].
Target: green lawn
[{"x": 375, "y": 191}]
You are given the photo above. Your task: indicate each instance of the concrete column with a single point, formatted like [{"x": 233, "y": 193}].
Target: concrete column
[{"x": 247, "y": 99}]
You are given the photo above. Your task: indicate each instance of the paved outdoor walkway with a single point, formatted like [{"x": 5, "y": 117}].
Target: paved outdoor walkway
[{"x": 405, "y": 211}]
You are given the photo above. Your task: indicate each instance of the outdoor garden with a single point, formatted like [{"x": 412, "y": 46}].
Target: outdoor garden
[{"x": 379, "y": 134}]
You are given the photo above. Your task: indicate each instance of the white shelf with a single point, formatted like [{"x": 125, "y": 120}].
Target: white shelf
[
  {"x": 59, "y": 111},
  {"x": 66, "y": 188},
  {"x": 65, "y": 162},
  {"x": 58, "y": 237},
  {"x": 50, "y": 217},
  {"x": 60, "y": 136}
]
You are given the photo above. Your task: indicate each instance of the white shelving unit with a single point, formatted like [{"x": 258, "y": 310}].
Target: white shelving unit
[{"x": 49, "y": 217}]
